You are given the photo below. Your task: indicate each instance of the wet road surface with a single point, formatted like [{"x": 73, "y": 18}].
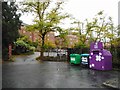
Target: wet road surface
[
  {"x": 0, "y": 75},
  {"x": 34, "y": 74}
]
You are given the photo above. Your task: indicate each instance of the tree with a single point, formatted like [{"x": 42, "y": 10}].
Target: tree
[
  {"x": 46, "y": 19},
  {"x": 80, "y": 32},
  {"x": 10, "y": 26},
  {"x": 49, "y": 45},
  {"x": 100, "y": 28},
  {"x": 63, "y": 41}
]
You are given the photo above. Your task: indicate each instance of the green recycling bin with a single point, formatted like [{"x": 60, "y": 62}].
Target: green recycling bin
[{"x": 75, "y": 58}]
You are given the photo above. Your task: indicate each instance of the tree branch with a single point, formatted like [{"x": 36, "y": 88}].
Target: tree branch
[{"x": 45, "y": 6}]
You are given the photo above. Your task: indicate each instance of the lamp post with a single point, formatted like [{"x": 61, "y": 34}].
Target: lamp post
[{"x": 10, "y": 50}]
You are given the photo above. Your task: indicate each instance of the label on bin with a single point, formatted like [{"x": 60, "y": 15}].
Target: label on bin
[
  {"x": 84, "y": 59},
  {"x": 72, "y": 59}
]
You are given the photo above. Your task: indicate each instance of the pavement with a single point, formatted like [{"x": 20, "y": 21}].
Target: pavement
[
  {"x": 113, "y": 83},
  {"x": 26, "y": 72}
]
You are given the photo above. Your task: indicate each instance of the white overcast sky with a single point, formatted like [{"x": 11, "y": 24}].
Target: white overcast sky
[{"x": 85, "y": 9}]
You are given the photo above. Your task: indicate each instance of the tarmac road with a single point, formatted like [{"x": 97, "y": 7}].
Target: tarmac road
[{"x": 46, "y": 74}]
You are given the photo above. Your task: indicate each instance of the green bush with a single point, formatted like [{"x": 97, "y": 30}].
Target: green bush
[
  {"x": 32, "y": 48},
  {"x": 23, "y": 45}
]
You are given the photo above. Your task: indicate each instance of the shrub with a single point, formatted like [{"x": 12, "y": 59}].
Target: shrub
[{"x": 22, "y": 46}]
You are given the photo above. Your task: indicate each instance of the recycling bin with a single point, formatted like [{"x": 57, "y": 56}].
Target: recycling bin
[
  {"x": 85, "y": 60},
  {"x": 99, "y": 59},
  {"x": 75, "y": 58}
]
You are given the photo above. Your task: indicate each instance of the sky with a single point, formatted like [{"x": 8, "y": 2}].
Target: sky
[{"x": 85, "y": 9}]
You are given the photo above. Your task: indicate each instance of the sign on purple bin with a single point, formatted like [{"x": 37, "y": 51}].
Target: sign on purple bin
[
  {"x": 99, "y": 59},
  {"x": 96, "y": 46}
]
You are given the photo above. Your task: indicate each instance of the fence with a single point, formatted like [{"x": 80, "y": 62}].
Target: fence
[{"x": 55, "y": 55}]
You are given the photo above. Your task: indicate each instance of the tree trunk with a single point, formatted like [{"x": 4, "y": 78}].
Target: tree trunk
[
  {"x": 41, "y": 55},
  {"x": 42, "y": 47}
]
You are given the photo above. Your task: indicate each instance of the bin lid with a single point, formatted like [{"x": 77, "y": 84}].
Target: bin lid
[
  {"x": 74, "y": 54},
  {"x": 84, "y": 54}
]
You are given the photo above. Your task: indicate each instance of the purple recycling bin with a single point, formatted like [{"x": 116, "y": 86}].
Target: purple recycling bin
[{"x": 99, "y": 59}]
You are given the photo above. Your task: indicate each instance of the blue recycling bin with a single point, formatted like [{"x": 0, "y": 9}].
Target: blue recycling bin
[{"x": 85, "y": 60}]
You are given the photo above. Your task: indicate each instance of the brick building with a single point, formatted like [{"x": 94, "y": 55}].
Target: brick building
[
  {"x": 71, "y": 39},
  {"x": 34, "y": 35},
  {"x": 50, "y": 37}
]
